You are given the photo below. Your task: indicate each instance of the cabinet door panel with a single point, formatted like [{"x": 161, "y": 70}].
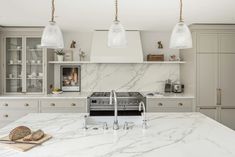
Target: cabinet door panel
[
  {"x": 210, "y": 112},
  {"x": 227, "y": 117},
  {"x": 227, "y": 78},
  {"x": 207, "y": 43},
  {"x": 227, "y": 43},
  {"x": 207, "y": 79}
]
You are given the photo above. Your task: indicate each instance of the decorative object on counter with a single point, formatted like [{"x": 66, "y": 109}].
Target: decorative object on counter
[
  {"x": 181, "y": 37},
  {"x": 60, "y": 54},
  {"x": 152, "y": 57},
  {"x": 57, "y": 91},
  {"x": 168, "y": 86},
  {"x": 82, "y": 55},
  {"x": 177, "y": 87},
  {"x": 52, "y": 36},
  {"x": 160, "y": 45},
  {"x": 117, "y": 33},
  {"x": 73, "y": 44},
  {"x": 68, "y": 55},
  {"x": 70, "y": 78},
  {"x": 174, "y": 58}
]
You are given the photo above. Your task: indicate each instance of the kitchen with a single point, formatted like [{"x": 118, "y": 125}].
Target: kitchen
[{"x": 140, "y": 87}]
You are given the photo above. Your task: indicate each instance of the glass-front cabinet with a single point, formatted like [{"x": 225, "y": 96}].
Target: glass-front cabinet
[{"x": 24, "y": 65}]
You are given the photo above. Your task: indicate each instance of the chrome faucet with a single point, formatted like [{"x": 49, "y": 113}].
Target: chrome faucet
[
  {"x": 113, "y": 98},
  {"x": 142, "y": 105}
]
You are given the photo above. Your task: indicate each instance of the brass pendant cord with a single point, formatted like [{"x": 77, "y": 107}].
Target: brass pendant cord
[
  {"x": 116, "y": 10},
  {"x": 53, "y": 11},
  {"x": 181, "y": 11}
]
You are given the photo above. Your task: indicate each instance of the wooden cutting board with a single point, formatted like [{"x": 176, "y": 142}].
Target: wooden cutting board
[{"x": 25, "y": 147}]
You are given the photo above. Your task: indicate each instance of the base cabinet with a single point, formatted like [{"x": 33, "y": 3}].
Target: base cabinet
[
  {"x": 166, "y": 105},
  {"x": 64, "y": 106},
  {"x": 227, "y": 117},
  {"x": 11, "y": 110},
  {"x": 209, "y": 111}
]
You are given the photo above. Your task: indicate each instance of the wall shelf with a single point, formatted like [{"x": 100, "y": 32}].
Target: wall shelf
[{"x": 144, "y": 62}]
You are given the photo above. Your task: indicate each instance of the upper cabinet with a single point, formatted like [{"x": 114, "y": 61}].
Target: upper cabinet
[
  {"x": 227, "y": 43},
  {"x": 207, "y": 43},
  {"x": 24, "y": 63}
]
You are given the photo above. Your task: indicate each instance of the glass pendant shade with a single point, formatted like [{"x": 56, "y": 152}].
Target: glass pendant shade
[
  {"x": 117, "y": 36},
  {"x": 52, "y": 37},
  {"x": 181, "y": 37}
]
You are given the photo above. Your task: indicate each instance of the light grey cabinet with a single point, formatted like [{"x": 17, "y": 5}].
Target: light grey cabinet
[
  {"x": 169, "y": 105},
  {"x": 227, "y": 116},
  {"x": 215, "y": 62},
  {"x": 11, "y": 110},
  {"x": 63, "y": 106},
  {"x": 24, "y": 61},
  {"x": 211, "y": 112}
]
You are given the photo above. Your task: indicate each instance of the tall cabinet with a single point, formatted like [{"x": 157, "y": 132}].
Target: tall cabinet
[
  {"x": 24, "y": 61},
  {"x": 215, "y": 72}
]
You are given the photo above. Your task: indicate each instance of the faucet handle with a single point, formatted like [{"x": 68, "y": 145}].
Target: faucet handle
[
  {"x": 105, "y": 126},
  {"x": 125, "y": 126}
]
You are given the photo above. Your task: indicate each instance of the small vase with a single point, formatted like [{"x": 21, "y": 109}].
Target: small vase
[{"x": 60, "y": 58}]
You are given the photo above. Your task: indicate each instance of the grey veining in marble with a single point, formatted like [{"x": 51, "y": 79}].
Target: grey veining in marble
[
  {"x": 127, "y": 77},
  {"x": 169, "y": 134}
]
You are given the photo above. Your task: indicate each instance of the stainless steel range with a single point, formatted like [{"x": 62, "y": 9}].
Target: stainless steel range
[{"x": 128, "y": 103}]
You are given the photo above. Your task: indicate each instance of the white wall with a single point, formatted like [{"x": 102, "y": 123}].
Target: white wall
[
  {"x": 124, "y": 77},
  {"x": 149, "y": 41}
]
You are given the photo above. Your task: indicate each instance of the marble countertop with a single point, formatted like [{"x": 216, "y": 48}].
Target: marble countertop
[
  {"x": 168, "y": 96},
  {"x": 65, "y": 95},
  {"x": 84, "y": 95},
  {"x": 168, "y": 135}
]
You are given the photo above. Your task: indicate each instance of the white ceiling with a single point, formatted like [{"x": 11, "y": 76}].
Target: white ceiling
[{"x": 86, "y": 15}]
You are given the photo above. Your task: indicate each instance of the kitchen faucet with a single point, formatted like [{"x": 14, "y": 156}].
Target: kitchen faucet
[
  {"x": 113, "y": 96},
  {"x": 142, "y": 105}
]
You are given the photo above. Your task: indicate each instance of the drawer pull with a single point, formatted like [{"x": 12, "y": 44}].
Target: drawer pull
[
  {"x": 52, "y": 104},
  {"x": 73, "y": 104},
  {"x": 26, "y": 105},
  {"x": 6, "y": 116},
  {"x": 180, "y": 104},
  {"x": 160, "y": 104},
  {"x": 5, "y": 104}
]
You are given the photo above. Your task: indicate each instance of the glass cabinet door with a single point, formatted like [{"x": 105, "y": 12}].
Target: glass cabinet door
[
  {"x": 13, "y": 69},
  {"x": 34, "y": 65}
]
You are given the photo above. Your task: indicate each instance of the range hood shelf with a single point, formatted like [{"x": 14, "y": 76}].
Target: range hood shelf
[{"x": 144, "y": 62}]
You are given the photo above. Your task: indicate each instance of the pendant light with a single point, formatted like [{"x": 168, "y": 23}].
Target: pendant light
[
  {"x": 52, "y": 36},
  {"x": 117, "y": 33},
  {"x": 181, "y": 37}
]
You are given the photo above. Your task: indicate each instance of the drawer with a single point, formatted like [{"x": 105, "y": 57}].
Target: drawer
[
  {"x": 18, "y": 104},
  {"x": 173, "y": 105},
  {"x": 63, "y": 106},
  {"x": 13, "y": 115}
]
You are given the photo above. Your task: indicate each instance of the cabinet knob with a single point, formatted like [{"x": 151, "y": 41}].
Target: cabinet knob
[
  {"x": 26, "y": 105},
  {"x": 6, "y": 115},
  {"x": 160, "y": 104},
  {"x": 73, "y": 104},
  {"x": 5, "y": 104},
  {"x": 52, "y": 104},
  {"x": 180, "y": 104}
]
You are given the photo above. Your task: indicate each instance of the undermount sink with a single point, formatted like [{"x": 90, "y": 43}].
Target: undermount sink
[{"x": 98, "y": 122}]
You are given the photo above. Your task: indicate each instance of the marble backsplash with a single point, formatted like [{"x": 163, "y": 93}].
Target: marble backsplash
[{"x": 127, "y": 77}]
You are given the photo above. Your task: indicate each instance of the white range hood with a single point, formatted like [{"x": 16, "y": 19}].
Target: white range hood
[{"x": 101, "y": 53}]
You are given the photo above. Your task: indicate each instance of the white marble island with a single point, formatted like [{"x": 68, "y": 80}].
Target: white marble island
[{"x": 168, "y": 135}]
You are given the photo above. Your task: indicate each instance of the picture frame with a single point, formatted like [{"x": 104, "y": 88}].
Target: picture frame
[{"x": 70, "y": 78}]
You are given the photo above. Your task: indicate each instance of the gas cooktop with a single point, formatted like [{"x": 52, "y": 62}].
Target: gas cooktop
[{"x": 119, "y": 94}]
